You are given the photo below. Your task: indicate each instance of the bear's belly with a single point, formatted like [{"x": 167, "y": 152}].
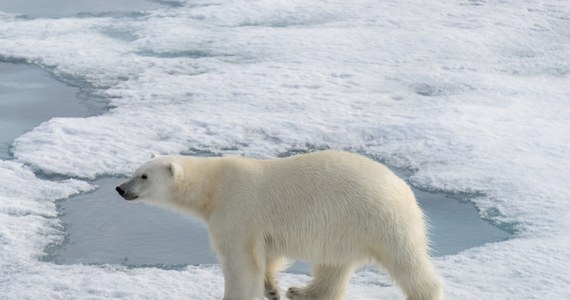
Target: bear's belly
[{"x": 325, "y": 249}]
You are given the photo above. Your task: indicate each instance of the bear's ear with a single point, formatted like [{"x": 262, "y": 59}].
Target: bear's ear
[
  {"x": 175, "y": 169},
  {"x": 152, "y": 155}
]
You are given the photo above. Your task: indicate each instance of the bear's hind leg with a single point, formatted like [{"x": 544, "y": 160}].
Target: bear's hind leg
[
  {"x": 329, "y": 282},
  {"x": 271, "y": 290},
  {"x": 415, "y": 275},
  {"x": 273, "y": 266}
]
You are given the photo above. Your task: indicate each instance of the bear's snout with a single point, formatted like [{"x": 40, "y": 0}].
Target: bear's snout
[
  {"x": 126, "y": 195},
  {"x": 120, "y": 191}
]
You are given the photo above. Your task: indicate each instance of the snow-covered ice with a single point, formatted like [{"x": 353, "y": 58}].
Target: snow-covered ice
[{"x": 473, "y": 96}]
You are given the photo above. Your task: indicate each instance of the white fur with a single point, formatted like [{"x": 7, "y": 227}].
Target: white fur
[{"x": 334, "y": 209}]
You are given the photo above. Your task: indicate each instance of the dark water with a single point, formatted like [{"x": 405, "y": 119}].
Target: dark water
[
  {"x": 70, "y": 8},
  {"x": 30, "y": 96},
  {"x": 103, "y": 228}
]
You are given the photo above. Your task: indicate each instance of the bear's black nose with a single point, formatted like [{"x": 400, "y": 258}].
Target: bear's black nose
[{"x": 120, "y": 191}]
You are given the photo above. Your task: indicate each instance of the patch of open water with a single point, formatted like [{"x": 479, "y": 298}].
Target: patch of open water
[
  {"x": 70, "y": 8},
  {"x": 30, "y": 96},
  {"x": 103, "y": 228}
]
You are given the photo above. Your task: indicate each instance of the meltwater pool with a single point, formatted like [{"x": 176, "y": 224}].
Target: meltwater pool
[{"x": 102, "y": 228}]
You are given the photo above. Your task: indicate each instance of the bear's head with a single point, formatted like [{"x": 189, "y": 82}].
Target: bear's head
[{"x": 155, "y": 182}]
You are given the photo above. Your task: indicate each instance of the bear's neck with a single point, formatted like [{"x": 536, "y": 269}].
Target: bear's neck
[{"x": 199, "y": 191}]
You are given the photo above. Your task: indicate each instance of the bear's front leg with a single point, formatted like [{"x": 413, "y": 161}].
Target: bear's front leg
[{"x": 243, "y": 274}]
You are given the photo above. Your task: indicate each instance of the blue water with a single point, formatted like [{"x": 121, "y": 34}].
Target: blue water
[
  {"x": 103, "y": 228},
  {"x": 69, "y": 8},
  {"x": 30, "y": 96}
]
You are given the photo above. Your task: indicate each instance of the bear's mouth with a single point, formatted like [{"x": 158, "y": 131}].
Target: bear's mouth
[{"x": 130, "y": 197}]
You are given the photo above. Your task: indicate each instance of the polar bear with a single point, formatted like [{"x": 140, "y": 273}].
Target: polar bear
[{"x": 334, "y": 209}]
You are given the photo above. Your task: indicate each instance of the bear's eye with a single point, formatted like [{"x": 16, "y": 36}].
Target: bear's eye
[{"x": 144, "y": 176}]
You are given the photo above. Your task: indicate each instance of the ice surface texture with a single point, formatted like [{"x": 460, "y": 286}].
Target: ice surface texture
[{"x": 473, "y": 95}]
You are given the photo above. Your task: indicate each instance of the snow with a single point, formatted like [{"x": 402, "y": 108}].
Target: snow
[{"x": 470, "y": 95}]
